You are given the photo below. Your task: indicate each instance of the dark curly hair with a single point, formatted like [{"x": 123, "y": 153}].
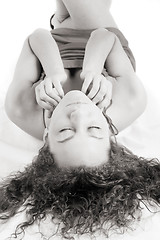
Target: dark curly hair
[{"x": 84, "y": 200}]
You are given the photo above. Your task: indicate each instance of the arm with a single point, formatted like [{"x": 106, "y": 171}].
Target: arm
[
  {"x": 46, "y": 50},
  {"x": 39, "y": 50},
  {"x": 20, "y": 103},
  {"x": 128, "y": 96}
]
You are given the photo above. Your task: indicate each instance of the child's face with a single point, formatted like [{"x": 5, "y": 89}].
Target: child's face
[{"x": 78, "y": 132}]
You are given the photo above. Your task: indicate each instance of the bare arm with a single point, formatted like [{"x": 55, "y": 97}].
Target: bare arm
[
  {"x": 22, "y": 108},
  {"x": 128, "y": 97},
  {"x": 46, "y": 50},
  {"x": 20, "y": 103},
  {"x": 40, "y": 51}
]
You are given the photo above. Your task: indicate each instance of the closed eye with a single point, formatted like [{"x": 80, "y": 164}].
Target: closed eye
[
  {"x": 66, "y": 129},
  {"x": 68, "y": 133},
  {"x": 94, "y": 127},
  {"x": 95, "y": 131},
  {"x": 64, "y": 134}
]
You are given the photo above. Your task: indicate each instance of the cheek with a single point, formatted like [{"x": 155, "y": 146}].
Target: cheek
[
  {"x": 106, "y": 126},
  {"x": 51, "y": 140},
  {"x": 55, "y": 121}
]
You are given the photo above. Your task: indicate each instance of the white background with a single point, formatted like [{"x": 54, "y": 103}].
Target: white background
[{"x": 139, "y": 20}]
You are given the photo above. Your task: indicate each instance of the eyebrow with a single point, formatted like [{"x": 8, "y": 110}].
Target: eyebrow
[{"x": 67, "y": 139}]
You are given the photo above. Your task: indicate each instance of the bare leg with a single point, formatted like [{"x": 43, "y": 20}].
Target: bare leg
[
  {"x": 98, "y": 47},
  {"x": 97, "y": 50},
  {"x": 45, "y": 48}
]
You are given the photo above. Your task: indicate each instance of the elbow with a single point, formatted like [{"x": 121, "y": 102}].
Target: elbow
[
  {"x": 143, "y": 101},
  {"x": 37, "y": 36},
  {"x": 137, "y": 97},
  {"x": 14, "y": 111}
]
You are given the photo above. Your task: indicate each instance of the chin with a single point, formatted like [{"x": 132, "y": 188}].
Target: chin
[
  {"x": 76, "y": 96},
  {"x": 77, "y": 92}
]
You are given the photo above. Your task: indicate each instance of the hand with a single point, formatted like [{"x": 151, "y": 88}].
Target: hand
[
  {"x": 47, "y": 96},
  {"x": 98, "y": 88}
]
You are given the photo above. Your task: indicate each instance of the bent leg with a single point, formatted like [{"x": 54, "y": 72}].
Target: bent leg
[
  {"x": 46, "y": 49},
  {"x": 97, "y": 50}
]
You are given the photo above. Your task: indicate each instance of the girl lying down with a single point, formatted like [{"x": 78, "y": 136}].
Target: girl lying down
[{"x": 81, "y": 178}]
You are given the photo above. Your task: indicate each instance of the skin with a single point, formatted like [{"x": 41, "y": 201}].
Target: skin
[
  {"x": 78, "y": 132},
  {"x": 128, "y": 96},
  {"x": 98, "y": 16}
]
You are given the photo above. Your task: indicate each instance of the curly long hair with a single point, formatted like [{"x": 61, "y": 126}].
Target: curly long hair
[{"x": 85, "y": 200}]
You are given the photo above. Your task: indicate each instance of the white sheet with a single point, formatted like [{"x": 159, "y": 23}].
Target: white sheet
[{"x": 142, "y": 30}]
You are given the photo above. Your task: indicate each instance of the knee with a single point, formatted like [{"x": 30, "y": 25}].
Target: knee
[
  {"x": 39, "y": 31},
  {"x": 103, "y": 33},
  {"x": 38, "y": 34}
]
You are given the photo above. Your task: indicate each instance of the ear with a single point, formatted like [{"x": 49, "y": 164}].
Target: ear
[{"x": 47, "y": 118}]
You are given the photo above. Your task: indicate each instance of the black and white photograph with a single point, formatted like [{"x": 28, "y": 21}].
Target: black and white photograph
[{"x": 80, "y": 120}]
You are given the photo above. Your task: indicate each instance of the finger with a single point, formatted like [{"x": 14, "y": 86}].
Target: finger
[
  {"x": 100, "y": 95},
  {"x": 95, "y": 87},
  {"x": 87, "y": 81},
  {"x": 108, "y": 88},
  {"x": 43, "y": 104},
  {"x": 51, "y": 92},
  {"x": 105, "y": 91},
  {"x": 111, "y": 79},
  {"x": 39, "y": 100},
  {"x": 105, "y": 103},
  {"x": 59, "y": 88},
  {"x": 44, "y": 97},
  {"x": 49, "y": 113}
]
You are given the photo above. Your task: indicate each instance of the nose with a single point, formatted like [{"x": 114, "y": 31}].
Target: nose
[{"x": 78, "y": 116}]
